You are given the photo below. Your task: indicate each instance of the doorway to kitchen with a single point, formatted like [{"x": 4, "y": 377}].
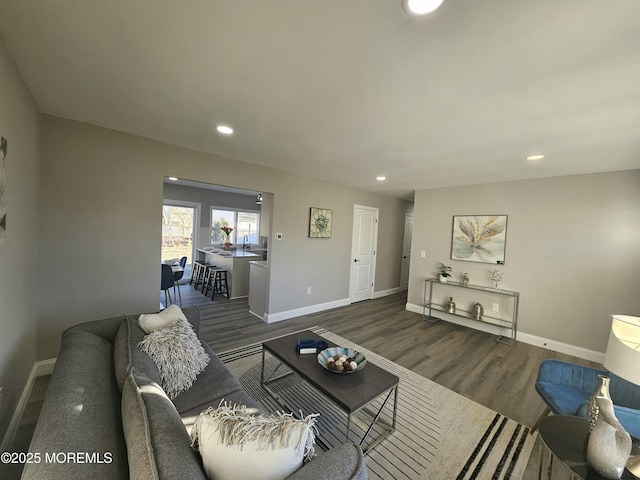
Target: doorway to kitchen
[{"x": 180, "y": 221}]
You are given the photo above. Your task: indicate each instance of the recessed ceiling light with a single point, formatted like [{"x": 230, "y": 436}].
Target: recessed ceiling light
[
  {"x": 224, "y": 129},
  {"x": 535, "y": 157},
  {"x": 418, "y": 8},
  {"x": 381, "y": 178},
  {"x": 173, "y": 179}
]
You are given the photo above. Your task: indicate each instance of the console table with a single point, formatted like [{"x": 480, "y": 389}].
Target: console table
[{"x": 468, "y": 295}]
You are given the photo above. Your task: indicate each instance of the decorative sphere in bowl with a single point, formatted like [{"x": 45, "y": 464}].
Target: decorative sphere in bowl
[{"x": 341, "y": 360}]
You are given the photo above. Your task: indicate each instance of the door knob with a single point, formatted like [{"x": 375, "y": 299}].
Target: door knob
[{"x": 356, "y": 260}]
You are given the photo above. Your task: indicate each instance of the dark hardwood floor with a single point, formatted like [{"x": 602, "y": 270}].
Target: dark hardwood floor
[
  {"x": 467, "y": 361},
  {"x": 498, "y": 376}
]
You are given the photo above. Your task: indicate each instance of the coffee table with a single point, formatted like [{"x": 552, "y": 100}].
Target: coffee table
[{"x": 352, "y": 392}]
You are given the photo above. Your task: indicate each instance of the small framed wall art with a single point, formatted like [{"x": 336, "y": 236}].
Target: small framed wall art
[
  {"x": 479, "y": 238},
  {"x": 320, "y": 222}
]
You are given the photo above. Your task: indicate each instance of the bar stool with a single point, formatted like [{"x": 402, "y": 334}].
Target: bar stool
[
  {"x": 194, "y": 272},
  {"x": 216, "y": 279},
  {"x": 207, "y": 278},
  {"x": 220, "y": 283},
  {"x": 197, "y": 273}
]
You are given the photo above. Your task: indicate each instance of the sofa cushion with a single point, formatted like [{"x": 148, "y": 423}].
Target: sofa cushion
[
  {"x": 81, "y": 413},
  {"x": 157, "y": 441},
  {"x": 215, "y": 383},
  {"x": 239, "y": 397},
  {"x": 235, "y": 443},
  {"x": 178, "y": 354}
]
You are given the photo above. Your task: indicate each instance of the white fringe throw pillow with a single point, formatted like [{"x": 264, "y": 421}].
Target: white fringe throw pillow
[
  {"x": 235, "y": 444},
  {"x": 178, "y": 354}
]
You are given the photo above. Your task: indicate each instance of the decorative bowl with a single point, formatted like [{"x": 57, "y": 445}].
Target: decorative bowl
[{"x": 328, "y": 354}]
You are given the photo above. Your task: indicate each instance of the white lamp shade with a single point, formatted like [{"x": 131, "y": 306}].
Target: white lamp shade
[{"x": 623, "y": 351}]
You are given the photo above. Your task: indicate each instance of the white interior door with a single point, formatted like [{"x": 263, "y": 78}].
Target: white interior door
[
  {"x": 406, "y": 251},
  {"x": 363, "y": 253}
]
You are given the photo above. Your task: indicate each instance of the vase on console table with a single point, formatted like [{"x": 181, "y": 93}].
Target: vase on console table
[{"x": 609, "y": 445}]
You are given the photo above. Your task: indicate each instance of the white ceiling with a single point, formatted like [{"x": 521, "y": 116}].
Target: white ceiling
[{"x": 345, "y": 90}]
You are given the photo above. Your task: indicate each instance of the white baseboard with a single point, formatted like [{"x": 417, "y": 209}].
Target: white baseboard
[
  {"x": 561, "y": 347},
  {"x": 320, "y": 307},
  {"x": 298, "y": 312},
  {"x": 385, "y": 293},
  {"x": 412, "y": 307},
  {"x": 547, "y": 343},
  {"x": 44, "y": 367}
]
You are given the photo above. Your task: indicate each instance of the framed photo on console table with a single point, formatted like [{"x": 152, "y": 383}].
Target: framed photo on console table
[{"x": 479, "y": 238}]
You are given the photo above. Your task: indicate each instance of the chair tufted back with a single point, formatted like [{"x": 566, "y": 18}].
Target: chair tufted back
[{"x": 623, "y": 393}]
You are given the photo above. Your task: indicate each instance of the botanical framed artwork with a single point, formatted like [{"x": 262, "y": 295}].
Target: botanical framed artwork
[
  {"x": 320, "y": 222},
  {"x": 479, "y": 238}
]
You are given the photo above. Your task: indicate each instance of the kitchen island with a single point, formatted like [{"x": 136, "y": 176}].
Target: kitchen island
[{"x": 236, "y": 262}]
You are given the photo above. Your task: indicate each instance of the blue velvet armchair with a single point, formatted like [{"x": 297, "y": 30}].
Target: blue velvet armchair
[{"x": 566, "y": 387}]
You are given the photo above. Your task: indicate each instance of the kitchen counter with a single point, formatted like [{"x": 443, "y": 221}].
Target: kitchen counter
[
  {"x": 236, "y": 262},
  {"x": 238, "y": 253}
]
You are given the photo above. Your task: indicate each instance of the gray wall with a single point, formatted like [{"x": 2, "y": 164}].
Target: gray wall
[
  {"x": 100, "y": 227},
  {"x": 573, "y": 250},
  {"x": 209, "y": 198},
  {"x": 20, "y": 125}
]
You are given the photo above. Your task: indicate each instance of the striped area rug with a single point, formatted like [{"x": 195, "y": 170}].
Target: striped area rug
[{"x": 440, "y": 435}]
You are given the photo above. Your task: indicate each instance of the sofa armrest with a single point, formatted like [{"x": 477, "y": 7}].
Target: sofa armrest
[
  {"x": 80, "y": 413},
  {"x": 105, "y": 328},
  {"x": 345, "y": 462}
]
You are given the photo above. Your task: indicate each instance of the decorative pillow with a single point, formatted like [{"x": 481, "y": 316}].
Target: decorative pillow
[
  {"x": 178, "y": 354},
  {"x": 234, "y": 444},
  {"x": 150, "y": 322}
]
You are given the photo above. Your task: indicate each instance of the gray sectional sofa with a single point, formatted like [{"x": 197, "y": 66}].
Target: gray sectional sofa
[{"x": 103, "y": 418}]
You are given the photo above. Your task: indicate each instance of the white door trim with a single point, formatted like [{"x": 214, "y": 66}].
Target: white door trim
[{"x": 405, "y": 262}]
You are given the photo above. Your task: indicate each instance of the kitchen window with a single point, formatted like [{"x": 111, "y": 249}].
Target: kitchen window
[{"x": 242, "y": 222}]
